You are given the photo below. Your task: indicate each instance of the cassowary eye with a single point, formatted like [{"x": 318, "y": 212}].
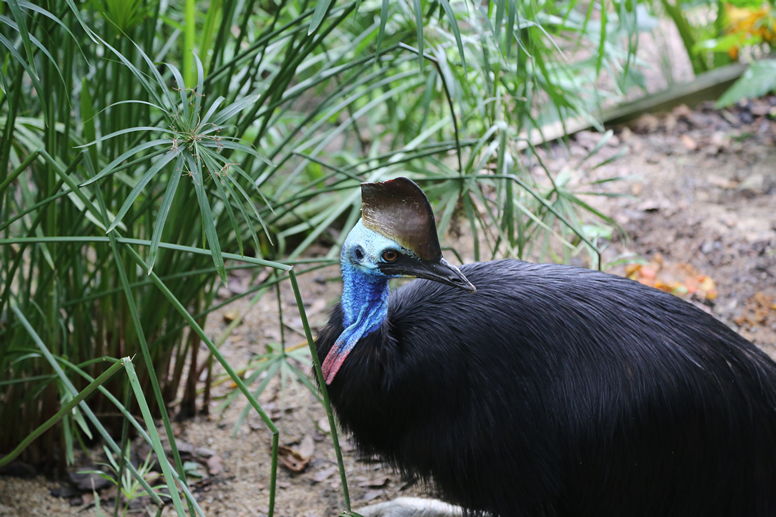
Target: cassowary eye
[{"x": 390, "y": 255}]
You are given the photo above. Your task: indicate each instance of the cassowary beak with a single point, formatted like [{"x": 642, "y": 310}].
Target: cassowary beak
[{"x": 438, "y": 271}]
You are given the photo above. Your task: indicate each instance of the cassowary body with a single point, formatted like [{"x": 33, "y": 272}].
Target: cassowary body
[{"x": 554, "y": 391}]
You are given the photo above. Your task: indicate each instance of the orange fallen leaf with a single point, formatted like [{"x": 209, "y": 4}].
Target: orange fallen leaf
[
  {"x": 758, "y": 310},
  {"x": 631, "y": 270},
  {"x": 676, "y": 278}
]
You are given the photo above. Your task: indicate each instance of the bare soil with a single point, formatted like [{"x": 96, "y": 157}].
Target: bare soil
[{"x": 698, "y": 200}]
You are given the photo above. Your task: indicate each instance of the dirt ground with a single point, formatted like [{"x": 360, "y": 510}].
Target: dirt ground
[{"x": 698, "y": 210}]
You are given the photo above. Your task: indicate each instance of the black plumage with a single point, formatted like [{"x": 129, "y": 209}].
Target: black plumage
[
  {"x": 558, "y": 391},
  {"x": 530, "y": 390}
]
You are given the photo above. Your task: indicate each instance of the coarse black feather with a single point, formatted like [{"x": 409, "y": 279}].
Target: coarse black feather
[{"x": 558, "y": 391}]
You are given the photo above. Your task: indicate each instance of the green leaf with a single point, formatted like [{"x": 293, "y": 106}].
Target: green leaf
[
  {"x": 233, "y": 109},
  {"x": 206, "y": 215},
  {"x": 108, "y": 169},
  {"x": 212, "y": 109},
  {"x": 726, "y": 43},
  {"x": 37, "y": 44},
  {"x": 156, "y": 443},
  {"x": 140, "y": 185},
  {"x": 601, "y": 53},
  {"x": 126, "y": 131},
  {"x": 456, "y": 32},
  {"x": 182, "y": 91},
  {"x": 164, "y": 210},
  {"x": 759, "y": 79},
  {"x": 320, "y": 12},
  {"x": 383, "y": 20},
  {"x": 418, "y": 10}
]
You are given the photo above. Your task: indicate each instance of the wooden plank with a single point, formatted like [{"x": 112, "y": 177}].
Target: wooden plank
[{"x": 707, "y": 86}]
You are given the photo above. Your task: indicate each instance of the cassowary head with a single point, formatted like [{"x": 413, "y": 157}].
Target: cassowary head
[{"x": 396, "y": 236}]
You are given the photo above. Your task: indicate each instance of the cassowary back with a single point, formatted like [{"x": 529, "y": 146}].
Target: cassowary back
[{"x": 559, "y": 391}]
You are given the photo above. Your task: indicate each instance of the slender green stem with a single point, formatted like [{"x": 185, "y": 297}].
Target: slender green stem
[
  {"x": 189, "y": 42},
  {"x": 324, "y": 391},
  {"x": 140, "y": 242},
  {"x": 195, "y": 326},
  {"x": 155, "y": 441},
  {"x": 22, "y": 166}
]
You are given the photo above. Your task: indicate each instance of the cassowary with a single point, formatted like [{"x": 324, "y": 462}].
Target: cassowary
[{"x": 539, "y": 390}]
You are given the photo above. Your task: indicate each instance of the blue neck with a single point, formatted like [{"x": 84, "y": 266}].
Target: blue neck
[
  {"x": 364, "y": 299},
  {"x": 364, "y": 307},
  {"x": 364, "y": 296}
]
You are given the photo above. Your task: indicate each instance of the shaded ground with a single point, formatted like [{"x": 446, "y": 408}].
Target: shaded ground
[
  {"x": 700, "y": 204},
  {"x": 704, "y": 192}
]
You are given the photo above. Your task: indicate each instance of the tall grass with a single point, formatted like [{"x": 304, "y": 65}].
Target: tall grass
[{"x": 151, "y": 148}]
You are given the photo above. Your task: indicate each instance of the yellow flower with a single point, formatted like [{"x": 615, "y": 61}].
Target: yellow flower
[{"x": 750, "y": 22}]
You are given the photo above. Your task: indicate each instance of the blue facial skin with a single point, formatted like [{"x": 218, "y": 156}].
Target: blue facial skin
[
  {"x": 364, "y": 291},
  {"x": 365, "y": 287}
]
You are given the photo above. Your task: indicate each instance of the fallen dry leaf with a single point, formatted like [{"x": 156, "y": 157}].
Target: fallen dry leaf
[
  {"x": 646, "y": 124},
  {"x": 184, "y": 448},
  {"x": 215, "y": 465},
  {"x": 370, "y": 495},
  {"x": 292, "y": 460},
  {"x": 86, "y": 480},
  {"x": 679, "y": 278},
  {"x": 323, "y": 425},
  {"x": 757, "y": 310},
  {"x": 307, "y": 446},
  {"x": 720, "y": 182},
  {"x": 204, "y": 452},
  {"x": 323, "y": 475},
  {"x": 688, "y": 142}
]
